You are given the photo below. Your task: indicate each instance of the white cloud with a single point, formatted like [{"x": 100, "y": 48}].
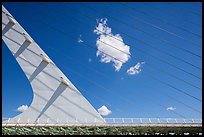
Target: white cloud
[
  {"x": 79, "y": 39},
  {"x": 135, "y": 69},
  {"x": 170, "y": 108},
  {"x": 143, "y": 62},
  {"x": 89, "y": 60},
  {"x": 104, "y": 111},
  {"x": 118, "y": 50},
  {"x": 22, "y": 108}
]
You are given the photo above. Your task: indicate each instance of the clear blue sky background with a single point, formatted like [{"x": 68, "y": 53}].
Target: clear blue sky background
[{"x": 142, "y": 92}]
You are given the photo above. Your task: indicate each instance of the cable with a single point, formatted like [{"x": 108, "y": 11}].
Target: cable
[
  {"x": 153, "y": 25},
  {"x": 184, "y": 104},
  {"x": 110, "y": 91},
  {"x": 60, "y": 53},
  {"x": 154, "y": 67},
  {"x": 174, "y": 5},
  {"x": 169, "y": 23},
  {"x": 169, "y": 85},
  {"x": 176, "y": 16},
  {"x": 134, "y": 38},
  {"x": 104, "y": 75},
  {"x": 161, "y": 70},
  {"x": 151, "y": 55},
  {"x": 114, "y": 94},
  {"x": 144, "y": 51},
  {"x": 101, "y": 100},
  {"x": 141, "y": 50},
  {"x": 162, "y": 51}
]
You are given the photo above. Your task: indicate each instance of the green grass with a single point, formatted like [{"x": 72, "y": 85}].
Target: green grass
[{"x": 96, "y": 130}]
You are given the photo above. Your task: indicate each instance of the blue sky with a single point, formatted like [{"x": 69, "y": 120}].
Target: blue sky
[{"x": 125, "y": 95}]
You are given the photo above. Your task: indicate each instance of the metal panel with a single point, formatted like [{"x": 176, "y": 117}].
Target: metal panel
[{"x": 52, "y": 99}]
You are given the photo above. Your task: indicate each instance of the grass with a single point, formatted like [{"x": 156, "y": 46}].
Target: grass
[{"x": 99, "y": 130}]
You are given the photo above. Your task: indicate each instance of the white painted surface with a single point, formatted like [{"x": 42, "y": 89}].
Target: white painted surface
[
  {"x": 123, "y": 122},
  {"x": 52, "y": 98}
]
